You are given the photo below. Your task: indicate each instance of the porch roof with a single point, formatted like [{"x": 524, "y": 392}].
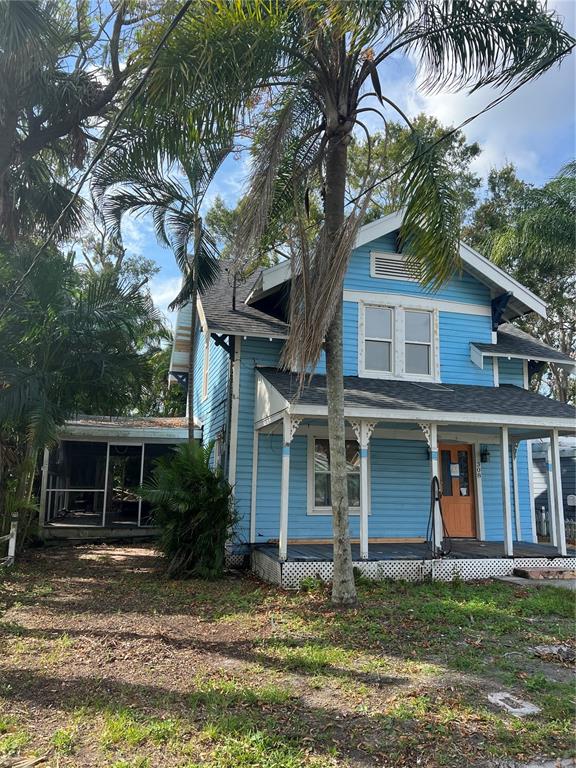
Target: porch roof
[
  {"x": 415, "y": 401},
  {"x": 149, "y": 428},
  {"x": 513, "y": 342}
]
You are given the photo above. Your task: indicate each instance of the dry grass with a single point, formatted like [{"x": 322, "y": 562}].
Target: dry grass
[{"x": 105, "y": 663}]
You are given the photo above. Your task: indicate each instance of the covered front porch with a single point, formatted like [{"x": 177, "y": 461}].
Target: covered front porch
[{"x": 437, "y": 474}]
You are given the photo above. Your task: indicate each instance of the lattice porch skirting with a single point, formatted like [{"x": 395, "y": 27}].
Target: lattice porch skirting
[{"x": 290, "y": 574}]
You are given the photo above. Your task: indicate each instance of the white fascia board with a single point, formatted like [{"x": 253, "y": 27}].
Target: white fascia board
[
  {"x": 444, "y": 417},
  {"x": 104, "y": 433},
  {"x": 269, "y": 279},
  {"x": 379, "y": 228},
  {"x": 485, "y": 268},
  {"x": 475, "y": 353}
]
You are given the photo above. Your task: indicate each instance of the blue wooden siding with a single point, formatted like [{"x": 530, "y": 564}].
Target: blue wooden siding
[
  {"x": 462, "y": 288},
  {"x": 253, "y": 352},
  {"x": 492, "y": 493},
  {"x": 350, "y": 320},
  {"x": 457, "y": 330},
  {"x": 511, "y": 371},
  {"x": 399, "y": 490},
  {"x": 211, "y": 410}
]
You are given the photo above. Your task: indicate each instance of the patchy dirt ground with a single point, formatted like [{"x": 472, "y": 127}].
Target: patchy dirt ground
[{"x": 103, "y": 662}]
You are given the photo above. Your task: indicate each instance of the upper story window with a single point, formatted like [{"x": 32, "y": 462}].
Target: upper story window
[
  {"x": 395, "y": 342},
  {"x": 418, "y": 342},
  {"x": 378, "y": 338}
]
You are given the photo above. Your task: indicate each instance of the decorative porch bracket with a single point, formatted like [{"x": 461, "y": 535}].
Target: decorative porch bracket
[
  {"x": 363, "y": 431},
  {"x": 289, "y": 427},
  {"x": 430, "y": 431}
]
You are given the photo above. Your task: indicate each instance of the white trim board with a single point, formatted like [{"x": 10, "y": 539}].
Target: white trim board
[
  {"x": 477, "y": 356},
  {"x": 455, "y": 417},
  {"x": 416, "y": 302}
]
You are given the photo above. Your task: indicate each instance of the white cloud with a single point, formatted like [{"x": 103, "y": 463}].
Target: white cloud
[{"x": 163, "y": 291}]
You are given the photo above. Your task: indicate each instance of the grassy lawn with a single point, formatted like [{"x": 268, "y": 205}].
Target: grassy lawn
[{"x": 105, "y": 663}]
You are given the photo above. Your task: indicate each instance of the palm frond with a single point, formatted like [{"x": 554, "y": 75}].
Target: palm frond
[
  {"x": 430, "y": 231},
  {"x": 471, "y": 43}
]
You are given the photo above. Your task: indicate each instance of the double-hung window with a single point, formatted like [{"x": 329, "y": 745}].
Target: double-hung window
[
  {"x": 378, "y": 334},
  {"x": 321, "y": 471},
  {"x": 418, "y": 342},
  {"x": 397, "y": 342}
]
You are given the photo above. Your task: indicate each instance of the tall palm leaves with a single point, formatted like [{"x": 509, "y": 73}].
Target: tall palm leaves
[
  {"x": 305, "y": 68},
  {"x": 138, "y": 176}
]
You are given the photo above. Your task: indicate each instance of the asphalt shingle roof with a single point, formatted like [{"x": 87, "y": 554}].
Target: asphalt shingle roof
[
  {"x": 244, "y": 320},
  {"x": 506, "y": 400},
  {"x": 513, "y": 341}
]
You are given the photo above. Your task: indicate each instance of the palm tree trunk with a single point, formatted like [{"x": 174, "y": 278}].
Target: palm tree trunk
[{"x": 343, "y": 587}]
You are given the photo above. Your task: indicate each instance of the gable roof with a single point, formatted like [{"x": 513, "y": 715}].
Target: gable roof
[
  {"x": 513, "y": 342},
  {"x": 219, "y": 316},
  {"x": 522, "y": 299}
]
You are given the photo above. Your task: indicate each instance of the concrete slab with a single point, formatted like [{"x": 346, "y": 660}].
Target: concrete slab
[
  {"x": 559, "y": 583},
  {"x": 513, "y": 705}
]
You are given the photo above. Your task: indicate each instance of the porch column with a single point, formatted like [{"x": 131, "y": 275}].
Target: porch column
[
  {"x": 289, "y": 426},
  {"x": 558, "y": 499},
  {"x": 551, "y": 499},
  {"x": 363, "y": 431},
  {"x": 43, "y": 490},
  {"x": 505, "y": 471},
  {"x": 517, "y": 520}
]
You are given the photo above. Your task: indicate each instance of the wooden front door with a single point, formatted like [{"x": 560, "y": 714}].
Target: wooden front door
[{"x": 457, "y": 484}]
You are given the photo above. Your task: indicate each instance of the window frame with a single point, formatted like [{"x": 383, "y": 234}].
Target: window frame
[
  {"x": 312, "y": 509},
  {"x": 398, "y": 361},
  {"x": 428, "y": 344},
  {"x": 391, "y": 340}
]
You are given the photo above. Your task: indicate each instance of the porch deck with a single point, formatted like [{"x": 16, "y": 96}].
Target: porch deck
[{"x": 464, "y": 549}]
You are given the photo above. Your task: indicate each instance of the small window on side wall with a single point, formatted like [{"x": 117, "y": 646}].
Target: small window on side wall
[{"x": 378, "y": 329}]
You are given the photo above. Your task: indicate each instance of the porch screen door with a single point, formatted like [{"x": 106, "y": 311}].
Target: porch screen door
[{"x": 458, "y": 496}]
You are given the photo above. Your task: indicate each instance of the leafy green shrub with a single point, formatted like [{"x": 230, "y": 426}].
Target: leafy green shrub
[{"x": 192, "y": 504}]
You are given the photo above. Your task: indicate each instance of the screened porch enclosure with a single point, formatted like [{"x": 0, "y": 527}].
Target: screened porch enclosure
[{"x": 91, "y": 483}]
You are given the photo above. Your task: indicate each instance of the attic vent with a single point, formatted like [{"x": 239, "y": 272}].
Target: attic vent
[{"x": 391, "y": 266}]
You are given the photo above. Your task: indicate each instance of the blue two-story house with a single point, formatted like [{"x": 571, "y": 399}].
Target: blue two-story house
[{"x": 436, "y": 386}]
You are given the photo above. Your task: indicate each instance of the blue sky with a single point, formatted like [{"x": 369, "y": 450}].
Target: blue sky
[{"x": 534, "y": 129}]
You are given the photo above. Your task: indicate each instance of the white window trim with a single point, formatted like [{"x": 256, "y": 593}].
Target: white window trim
[
  {"x": 205, "y": 366},
  {"x": 398, "y": 342},
  {"x": 312, "y": 509},
  {"x": 391, "y": 340}
]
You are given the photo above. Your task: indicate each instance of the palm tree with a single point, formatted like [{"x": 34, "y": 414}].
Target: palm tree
[
  {"x": 538, "y": 248},
  {"x": 306, "y": 69},
  {"x": 72, "y": 343},
  {"x": 133, "y": 178}
]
